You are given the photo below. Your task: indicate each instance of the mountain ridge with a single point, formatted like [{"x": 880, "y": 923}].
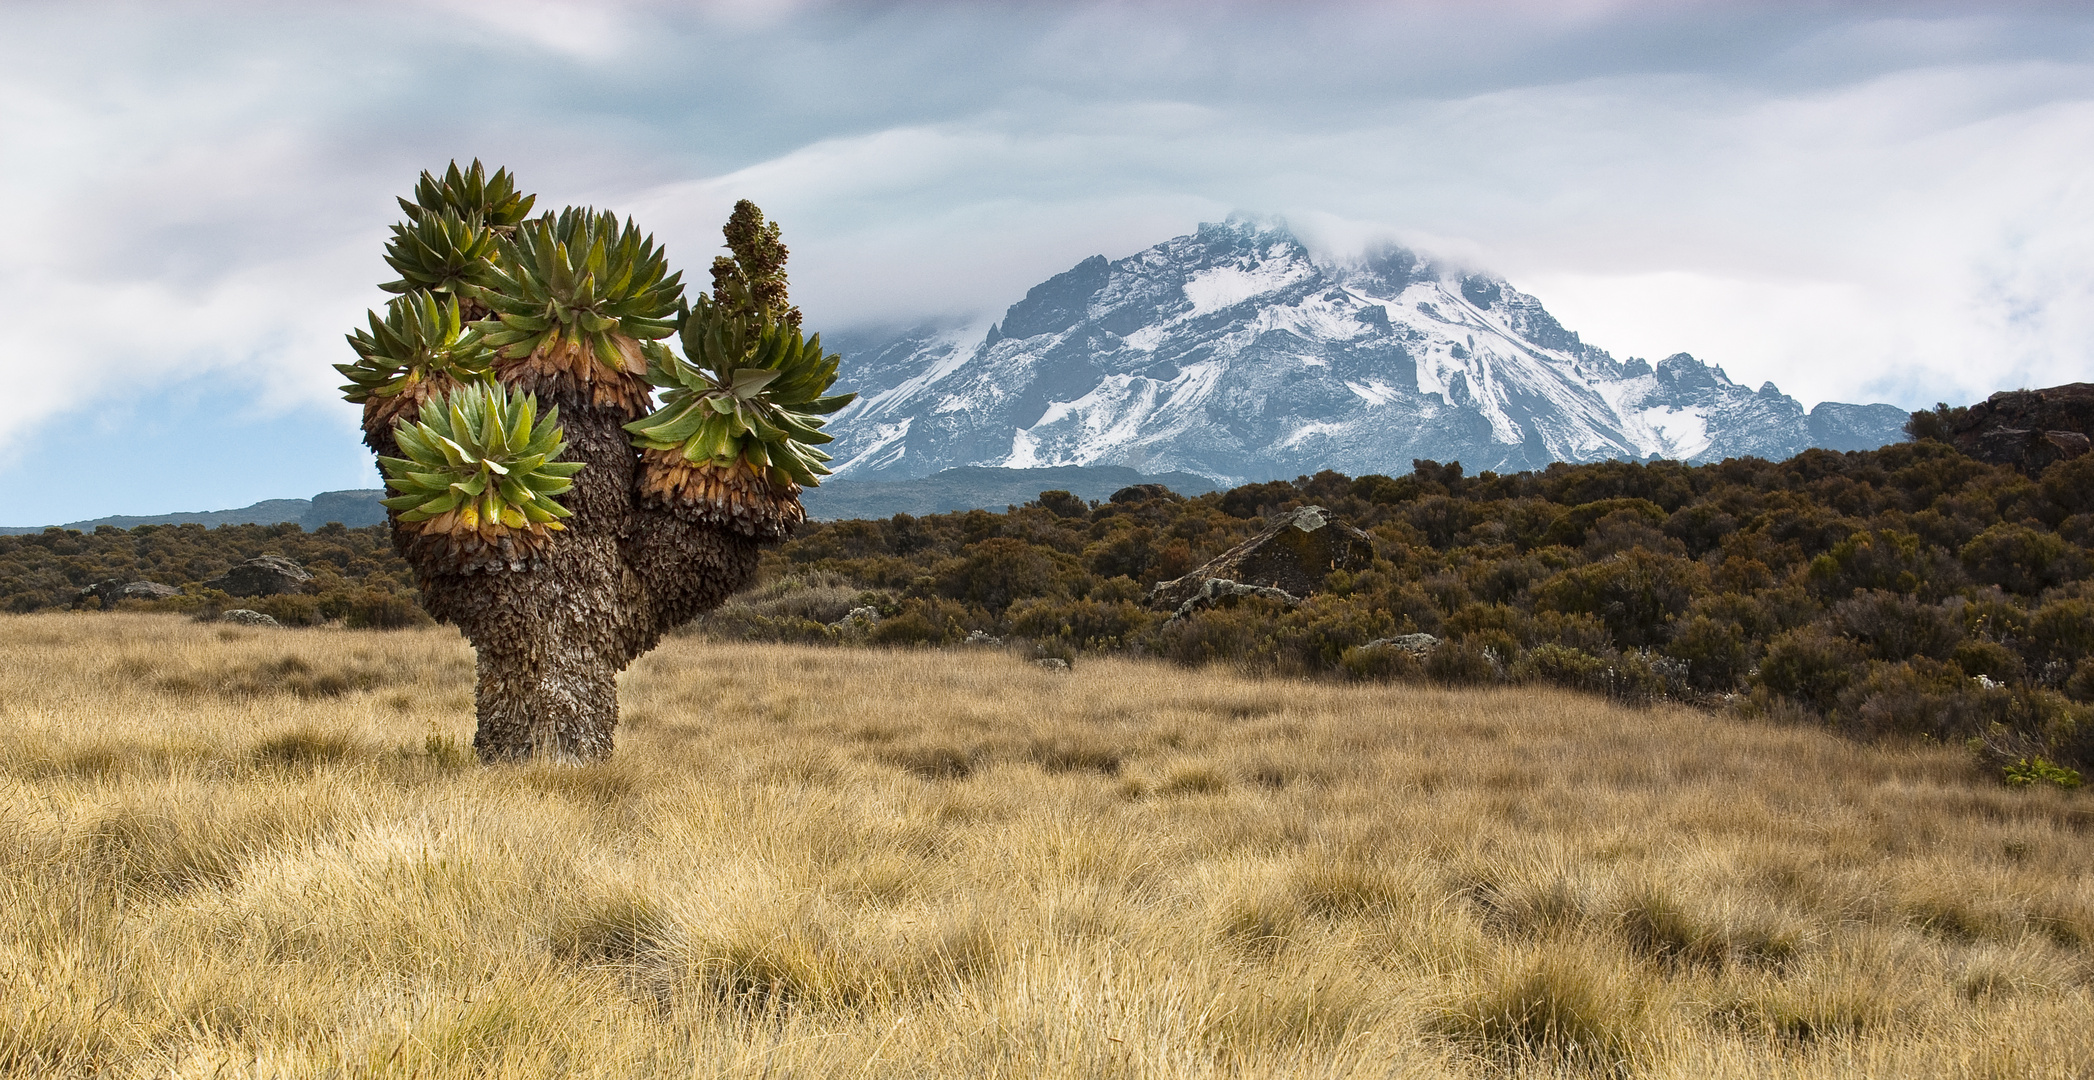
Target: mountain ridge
[
  {"x": 1231, "y": 353},
  {"x": 354, "y": 507}
]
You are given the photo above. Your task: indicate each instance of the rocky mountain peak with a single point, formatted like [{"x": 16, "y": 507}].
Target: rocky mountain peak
[{"x": 1232, "y": 353}]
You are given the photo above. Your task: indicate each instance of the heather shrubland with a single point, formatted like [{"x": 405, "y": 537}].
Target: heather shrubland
[
  {"x": 1909, "y": 591},
  {"x": 1906, "y": 592}
]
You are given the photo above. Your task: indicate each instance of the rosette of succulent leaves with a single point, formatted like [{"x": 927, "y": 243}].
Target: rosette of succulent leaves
[
  {"x": 573, "y": 299},
  {"x": 423, "y": 345},
  {"x": 479, "y": 471},
  {"x": 418, "y": 350},
  {"x": 742, "y": 410},
  {"x": 447, "y": 242}
]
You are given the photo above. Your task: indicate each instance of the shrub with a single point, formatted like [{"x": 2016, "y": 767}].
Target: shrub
[
  {"x": 1639, "y": 678},
  {"x": 2080, "y": 687},
  {"x": 1001, "y": 569},
  {"x": 1978, "y": 656},
  {"x": 1064, "y": 505},
  {"x": 1084, "y": 624},
  {"x": 1895, "y": 627},
  {"x": 2030, "y": 771},
  {"x": 1383, "y": 663},
  {"x": 2070, "y": 485},
  {"x": 923, "y": 621},
  {"x": 1315, "y": 636},
  {"x": 1886, "y": 559},
  {"x": 1637, "y": 594},
  {"x": 1810, "y": 665},
  {"x": 1474, "y": 619},
  {"x": 1716, "y": 651},
  {"x": 1237, "y": 634},
  {"x": 1559, "y": 665},
  {"x": 1462, "y": 663},
  {"x": 1921, "y": 697},
  {"x": 2061, "y": 631},
  {"x": 1570, "y": 529},
  {"x": 290, "y": 609},
  {"x": 2020, "y": 559}
]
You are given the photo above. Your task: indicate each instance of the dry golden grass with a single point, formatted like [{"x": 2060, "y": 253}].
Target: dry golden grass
[{"x": 232, "y": 853}]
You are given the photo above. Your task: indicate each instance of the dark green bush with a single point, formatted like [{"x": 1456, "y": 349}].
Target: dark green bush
[
  {"x": 1717, "y": 652},
  {"x": 1241, "y": 634},
  {"x": 1637, "y": 594},
  {"x": 2062, "y": 632},
  {"x": 2080, "y": 687},
  {"x": 1463, "y": 663},
  {"x": 1559, "y": 665},
  {"x": 1382, "y": 663},
  {"x": 2020, "y": 559},
  {"x": 1810, "y": 665},
  {"x": 1088, "y": 624},
  {"x": 1894, "y": 626},
  {"x": 1886, "y": 559},
  {"x": 1989, "y": 659}
]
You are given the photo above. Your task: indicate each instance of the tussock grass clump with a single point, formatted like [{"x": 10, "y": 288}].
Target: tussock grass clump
[
  {"x": 1564, "y": 1006},
  {"x": 874, "y": 864},
  {"x": 305, "y": 748}
]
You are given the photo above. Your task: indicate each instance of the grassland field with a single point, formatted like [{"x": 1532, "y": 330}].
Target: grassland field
[{"x": 244, "y": 853}]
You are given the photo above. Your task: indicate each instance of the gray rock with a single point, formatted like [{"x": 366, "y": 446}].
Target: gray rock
[
  {"x": 246, "y": 617},
  {"x": 114, "y": 589},
  {"x": 1052, "y": 663},
  {"x": 267, "y": 575},
  {"x": 1215, "y": 591},
  {"x": 1415, "y": 644},
  {"x": 981, "y": 637},
  {"x": 857, "y": 624},
  {"x": 1295, "y": 556}
]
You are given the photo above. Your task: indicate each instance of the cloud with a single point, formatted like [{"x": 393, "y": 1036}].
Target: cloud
[{"x": 1872, "y": 201}]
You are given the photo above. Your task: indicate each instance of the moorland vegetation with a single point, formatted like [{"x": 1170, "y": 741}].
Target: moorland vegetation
[
  {"x": 1911, "y": 590},
  {"x": 357, "y": 578},
  {"x": 242, "y": 854}
]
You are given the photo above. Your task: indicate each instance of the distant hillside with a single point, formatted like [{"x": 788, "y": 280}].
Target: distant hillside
[
  {"x": 982, "y": 488},
  {"x": 354, "y": 508}
]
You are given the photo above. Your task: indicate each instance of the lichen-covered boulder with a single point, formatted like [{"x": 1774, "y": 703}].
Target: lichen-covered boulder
[
  {"x": 115, "y": 589},
  {"x": 1221, "y": 592},
  {"x": 246, "y": 617},
  {"x": 1418, "y": 645},
  {"x": 1295, "y": 556},
  {"x": 266, "y": 575}
]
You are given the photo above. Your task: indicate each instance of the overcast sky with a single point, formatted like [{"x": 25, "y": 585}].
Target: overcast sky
[{"x": 1860, "y": 202}]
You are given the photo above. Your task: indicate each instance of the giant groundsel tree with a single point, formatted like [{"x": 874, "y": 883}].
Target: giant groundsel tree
[{"x": 550, "y": 509}]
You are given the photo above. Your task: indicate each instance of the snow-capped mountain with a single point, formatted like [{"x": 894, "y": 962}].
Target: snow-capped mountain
[{"x": 1232, "y": 354}]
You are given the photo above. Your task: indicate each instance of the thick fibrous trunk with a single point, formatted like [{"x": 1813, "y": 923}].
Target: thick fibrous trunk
[{"x": 553, "y": 633}]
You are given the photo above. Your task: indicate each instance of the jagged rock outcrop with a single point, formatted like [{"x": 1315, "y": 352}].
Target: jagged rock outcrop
[
  {"x": 265, "y": 575},
  {"x": 1294, "y": 557},
  {"x": 2027, "y": 429}
]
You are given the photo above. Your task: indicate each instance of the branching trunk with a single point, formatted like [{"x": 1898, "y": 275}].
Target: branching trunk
[{"x": 552, "y": 634}]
